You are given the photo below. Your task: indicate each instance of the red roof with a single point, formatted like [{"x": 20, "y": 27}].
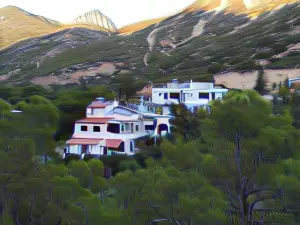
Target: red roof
[
  {"x": 98, "y": 120},
  {"x": 113, "y": 143},
  {"x": 99, "y": 104},
  {"x": 83, "y": 141}
]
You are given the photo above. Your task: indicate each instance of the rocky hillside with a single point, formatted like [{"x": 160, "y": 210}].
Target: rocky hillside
[
  {"x": 17, "y": 24},
  {"x": 196, "y": 44}
]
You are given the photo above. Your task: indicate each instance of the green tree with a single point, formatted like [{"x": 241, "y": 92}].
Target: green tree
[
  {"x": 247, "y": 134},
  {"x": 284, "y": 93},
  {"x": 260, "y": 85},
  {"x": 286, "y": 82}
]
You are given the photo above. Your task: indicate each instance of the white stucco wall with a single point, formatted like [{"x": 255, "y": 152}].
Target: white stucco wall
[
  {"x": 103, "y": 128},
  {"x": 186, "y": 95}
]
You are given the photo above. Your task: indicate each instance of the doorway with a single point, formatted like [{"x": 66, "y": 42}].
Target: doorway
[{"x": 162, "y": 127}]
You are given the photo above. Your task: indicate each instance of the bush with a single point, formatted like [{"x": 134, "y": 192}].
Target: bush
[
  {"x": 131, "y": 165},
  {"x": 114, "y": 162},
  {"x": 264, "y": 55},
  {"x": 214, "y": 68}
]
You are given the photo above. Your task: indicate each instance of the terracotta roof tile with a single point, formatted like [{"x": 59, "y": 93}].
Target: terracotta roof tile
[
  {"x": 83, "y": 141},
  {"x": 99, "y": 104}
]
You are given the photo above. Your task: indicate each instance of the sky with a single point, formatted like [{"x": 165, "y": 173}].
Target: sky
[{"x": 121, "y": 12}]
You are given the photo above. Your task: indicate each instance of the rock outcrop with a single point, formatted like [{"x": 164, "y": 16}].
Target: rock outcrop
[{"x": 97, "y": 19}]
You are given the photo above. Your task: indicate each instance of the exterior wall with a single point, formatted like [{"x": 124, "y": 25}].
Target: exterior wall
[
  {"x": 127, "y": 146},
  {"x": 186, "y": 95},
  {"x": 201, "y": 85},
  {"x": 103, "y": 128},
  {"x": 166, "y": 110},
  {"x": 162, "y": 121},
  {"x": 95, "y": 112}
]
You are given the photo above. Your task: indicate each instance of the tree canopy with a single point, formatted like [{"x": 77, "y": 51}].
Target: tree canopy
[{"x": 235, "y": 164}]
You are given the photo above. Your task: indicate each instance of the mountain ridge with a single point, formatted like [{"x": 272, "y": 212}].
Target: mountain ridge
[{"x": 18, "y": 24}]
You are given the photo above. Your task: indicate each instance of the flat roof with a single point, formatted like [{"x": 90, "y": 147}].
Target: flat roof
[
  {"x": 191, "y": 89},
  {"x": 95, "y": 120}
]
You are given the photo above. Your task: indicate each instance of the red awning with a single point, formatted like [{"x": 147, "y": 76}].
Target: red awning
[
  {"x": 83, "y": 141},
  {"x": 113, "y": 143}
]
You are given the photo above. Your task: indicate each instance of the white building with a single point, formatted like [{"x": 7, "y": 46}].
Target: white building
[
  {"x": 192, "y": 94},
  {"x": 110, "y": 129}
]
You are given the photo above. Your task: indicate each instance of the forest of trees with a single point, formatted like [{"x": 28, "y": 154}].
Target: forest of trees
[{"x": 237, "y": 164}]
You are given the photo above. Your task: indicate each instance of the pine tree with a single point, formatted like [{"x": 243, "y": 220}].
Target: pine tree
[
  {"x": 286, "y": 82},
  {"x": 260, "y": 86}
]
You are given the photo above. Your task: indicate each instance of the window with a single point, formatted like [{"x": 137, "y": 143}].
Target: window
[
  {"x": 149, "y": 127},
  {"x": 204, "y": 95},
  {"x": 113, "y": 128},
  {"x": 174, "y": 95},
  {"x": 213, "y": 96},
  {"x": 84, "y": 128},
  {"x": 165, "y": 95},
  {"x": 126, "y": 127},
  {"x": 96, "y": 128},
  {"x": 136, "y": 127}
]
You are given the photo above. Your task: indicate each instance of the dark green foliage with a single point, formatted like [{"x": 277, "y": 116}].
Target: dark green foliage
[
  {"x": 193, "y": 177},
  {"x": 261, "y": 81},
  {"x": 286, "y": 82}
]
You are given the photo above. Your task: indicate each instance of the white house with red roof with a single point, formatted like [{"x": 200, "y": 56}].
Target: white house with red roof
[{"x": 110, "y": 128}]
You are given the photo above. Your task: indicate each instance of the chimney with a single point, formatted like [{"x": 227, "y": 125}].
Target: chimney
[{"x": 116, "y": 103}]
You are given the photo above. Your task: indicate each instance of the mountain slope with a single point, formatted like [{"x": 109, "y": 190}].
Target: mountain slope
[
  {"x": 17, "y": 24},
  {"x": 198, "y": 44}
]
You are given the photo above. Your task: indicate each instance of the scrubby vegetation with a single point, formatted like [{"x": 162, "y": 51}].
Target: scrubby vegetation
[{"x": 228, "y": 43}]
